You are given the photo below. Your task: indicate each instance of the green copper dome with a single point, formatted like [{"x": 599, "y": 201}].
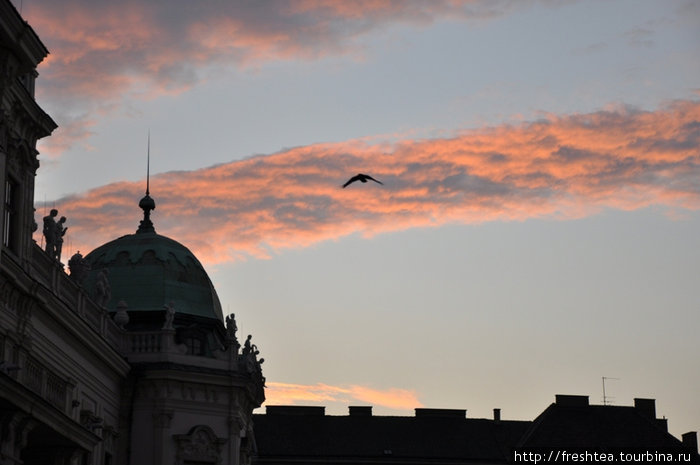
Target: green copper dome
[{"x": 148, "y": 271}]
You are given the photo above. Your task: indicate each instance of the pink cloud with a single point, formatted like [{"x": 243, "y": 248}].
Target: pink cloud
[
  {"x": 105, "y": 52},
  {"x": 559, "y": 167},
  {"x": 291, "y": 394}
]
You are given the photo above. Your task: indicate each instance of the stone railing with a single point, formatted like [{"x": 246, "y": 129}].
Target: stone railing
[
  {"x": 45, "y": 383},
  {"x": 74, "y": 298},
  {"x": 144, "y": 342}
]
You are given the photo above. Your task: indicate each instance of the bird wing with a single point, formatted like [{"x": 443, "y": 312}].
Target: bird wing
[
  {"x": 370, "y": 177},
  {"x": 351, "y": 180}
]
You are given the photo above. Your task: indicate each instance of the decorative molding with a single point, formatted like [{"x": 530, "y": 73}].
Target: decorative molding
[{"x": 200, "y": 445}]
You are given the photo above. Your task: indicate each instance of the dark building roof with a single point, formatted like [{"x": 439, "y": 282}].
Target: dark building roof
[
  {"x": 571, "y": 422},
  {"x": 303, "y": 433},
  {"x": 298, "y": 434}
]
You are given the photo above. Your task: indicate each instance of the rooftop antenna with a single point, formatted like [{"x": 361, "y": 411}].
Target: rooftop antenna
[{"x": 606, "y": 399}]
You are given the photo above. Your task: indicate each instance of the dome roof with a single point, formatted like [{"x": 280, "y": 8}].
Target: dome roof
[{"x": 148, "y": 271}]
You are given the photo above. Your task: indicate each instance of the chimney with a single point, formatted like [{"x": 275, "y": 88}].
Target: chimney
[
  {"x": 662, "y": 423},
  {"x": 360, "y": 411},
  {"x": 646, "y": 408},
  {"x": 690, "y": 440},
  {"x": 497, "y": 414}
]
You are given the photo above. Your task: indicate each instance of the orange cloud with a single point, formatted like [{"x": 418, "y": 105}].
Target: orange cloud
[
  {"x": 291, "y": 394},
  {"x": 103, "y": 53},
  {"x": 558, "y": 167}
]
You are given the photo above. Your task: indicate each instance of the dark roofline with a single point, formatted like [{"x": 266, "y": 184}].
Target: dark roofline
[
  {"x": 17, "y": 30},
  {"x": 644, "y": 408}
]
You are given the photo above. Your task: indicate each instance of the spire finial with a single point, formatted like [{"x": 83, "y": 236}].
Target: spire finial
[
  {"x": 148, "y": 163},
  {"x": 147, "y": 203}
]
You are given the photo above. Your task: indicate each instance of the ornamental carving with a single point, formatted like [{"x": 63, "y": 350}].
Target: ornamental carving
[{"x": 200, "y": 445}]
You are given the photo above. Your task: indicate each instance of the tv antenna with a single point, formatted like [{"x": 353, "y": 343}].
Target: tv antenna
[{"x": 607, "y": 400}]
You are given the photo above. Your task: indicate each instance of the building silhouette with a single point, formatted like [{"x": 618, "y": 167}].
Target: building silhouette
[
  {"x": 127, "y": 358},
  {"x": 300, "y": 434}
]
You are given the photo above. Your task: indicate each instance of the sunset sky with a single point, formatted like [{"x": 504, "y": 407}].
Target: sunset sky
[{"x": 539, "y": 223}]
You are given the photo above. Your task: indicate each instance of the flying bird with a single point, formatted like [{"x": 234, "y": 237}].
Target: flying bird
[{"x": 362, "y": 178}]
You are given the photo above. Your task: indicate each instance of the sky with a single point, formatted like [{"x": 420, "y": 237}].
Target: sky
[{"x": 537, "y": 226}]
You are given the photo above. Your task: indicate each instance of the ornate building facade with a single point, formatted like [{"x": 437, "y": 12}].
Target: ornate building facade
[{"x": 126, "y": 360}]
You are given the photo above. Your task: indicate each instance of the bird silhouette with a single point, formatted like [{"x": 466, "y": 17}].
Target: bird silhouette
[{"x": 362, "y": 178}]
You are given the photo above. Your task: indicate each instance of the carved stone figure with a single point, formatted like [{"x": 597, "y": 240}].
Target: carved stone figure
[
  {"x": 50, "y": 232},
  {"x": 78, "y": 267},
  {"x": 103, "y": 291},
  {"x": 59, "y": 232},
  {"x": 121, "y": 318},
  {"x": 169, "y": 316},
  {"x": 247, "y": 348},
  {"x": 231, "y": 326},
  {"x": 250, "y": 356}
]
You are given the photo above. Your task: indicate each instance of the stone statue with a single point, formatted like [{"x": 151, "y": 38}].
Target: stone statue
[
  {"x": 50, "y": 232},
  {"x": 121, "y": 318},
  {"x": 250, "y": 356},
  {"x": 247, "y": 349},
  {"x": 78, "y": 267},
  {"x": 103, "y": 291},
  {"x": 231, "y": 327},
  {"x": 169, "y": 316},
  {"x": 59, "y": 232}
]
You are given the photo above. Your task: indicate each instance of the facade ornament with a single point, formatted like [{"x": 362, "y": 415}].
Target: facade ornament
[
  {"x": 60, "y": 231},
  {"x": 231, "y": 329},
  {"x": 89, "y": 420},
  {"x": 50, "y": 231},
  {"x": 78, "y": 267},
  {"x": 121, "y": 318},
  {"x": 250, "y": 360},
  {"x": 169, "y": 316},
  {"x": 103, "y": 291},
  {"x": 247, "y": 347},
  {"x": 53, "y": 234},
  {"x": 199, "y": 445}
]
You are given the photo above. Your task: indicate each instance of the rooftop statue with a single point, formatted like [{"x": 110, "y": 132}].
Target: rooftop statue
[
  {"x": 103, "y": 291},
  {"x": 169, "y": 316},
  {"x": 78, "y": 267},
  {"x": 53, "y": 234},
  {"x": 247, "y": 348},
  {"x": 231, "y": 329},
  {"x": 59, "y": 232},
  {"x": 121, "y": 318},
  {"x": 249, "y": 357},
  {"x": 50, "y": 231}
]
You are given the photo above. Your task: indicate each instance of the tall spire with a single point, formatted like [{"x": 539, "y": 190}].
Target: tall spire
[
  {"x": 147, "y": 203},
  {"x": 148, "y": 163}
]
